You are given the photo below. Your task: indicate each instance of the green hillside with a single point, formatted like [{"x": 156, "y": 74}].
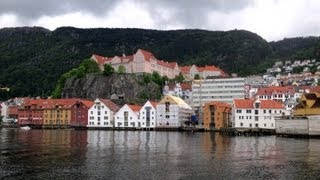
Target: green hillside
[{"x": 33, "y": 58}]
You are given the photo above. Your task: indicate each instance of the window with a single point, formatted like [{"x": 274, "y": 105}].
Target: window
[
  {"x": 167, "y": 106},
  {"x": 256, "y": 118},
  {"x": 271, "y": 124},
  {"x": 99, "y": 113},
  {"x": 250, "y": 125},
  {"x": 91, "y": 112},
  {"x": 98, "y": 123},
  {"x": 265, "y": 125},
  {"x": 270, "y": 111},
  {"x": 167, "y": 116},
  {"x": 105, "y": 123},
  {"x": 241, "y": 124},
  {"x": 256, "y": 111},
  {"x": 238, "y": 110},
  {"x": 248, "y": 111},
  {"x": 264, "y": 111},
  {"x": 257, "y": 125},
  {"x": 105, "y": 112},
  {"x": 105, "y": 117},
  {"x": 98, "y": 118}
]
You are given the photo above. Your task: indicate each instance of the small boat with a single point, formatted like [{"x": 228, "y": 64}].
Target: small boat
[{"x": 25, "y": 128}]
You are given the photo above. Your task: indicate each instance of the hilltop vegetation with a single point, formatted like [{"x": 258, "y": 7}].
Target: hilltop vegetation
[{"x": 32, "y": 59}]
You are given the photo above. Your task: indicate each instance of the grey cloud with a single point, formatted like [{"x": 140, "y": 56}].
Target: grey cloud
[
  {"x": 192, "y": 13},
  {"x": 31, "y": 9}
]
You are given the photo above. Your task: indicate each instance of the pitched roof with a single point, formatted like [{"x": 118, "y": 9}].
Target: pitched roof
[
  {"x": 147, "y": 55},
  {"x": 170, "y": 65},
  {"x": 111, "y": 105},
  {"x": 153, "y": 103},
  {"x": 176, "y": 100},
  {"x": 186, "y": 86},
  {"x": 185, "y": 69},
  {"x": 135, "y": 108},
  {"x": 315, "y": 89},
  {"x": 264, "y": 104},
  {"x": 100, "y": 59},
  {"x": 276, "y": 90}
]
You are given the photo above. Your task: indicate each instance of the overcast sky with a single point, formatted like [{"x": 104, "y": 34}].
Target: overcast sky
[{"x": 271, "y": 19}]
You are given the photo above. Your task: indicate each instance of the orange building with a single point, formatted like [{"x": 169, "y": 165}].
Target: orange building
[{"x": 216, "y": 115}]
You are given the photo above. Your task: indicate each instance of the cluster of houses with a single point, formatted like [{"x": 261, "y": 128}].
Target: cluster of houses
[
  {"x": 217, "y": 100},
  {"x": 170, "y": 112}
]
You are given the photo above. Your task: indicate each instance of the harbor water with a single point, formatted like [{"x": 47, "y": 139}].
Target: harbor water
[{"x": 94, "y": 154}]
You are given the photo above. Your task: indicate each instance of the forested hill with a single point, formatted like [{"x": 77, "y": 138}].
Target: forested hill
[{"x": 33, "y": 58}]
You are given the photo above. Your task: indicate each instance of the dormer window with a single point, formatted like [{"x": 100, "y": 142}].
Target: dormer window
[{"x": 257, "y": 105}]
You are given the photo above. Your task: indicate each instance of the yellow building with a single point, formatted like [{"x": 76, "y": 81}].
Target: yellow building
[
  {"x": 309, "y": 105},
  {"x": 57, "y": 113},
  {"x": 216, "y": 115}
]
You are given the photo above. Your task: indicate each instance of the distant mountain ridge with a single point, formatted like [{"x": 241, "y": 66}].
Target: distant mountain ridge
[{"x": 33, "y": 58}]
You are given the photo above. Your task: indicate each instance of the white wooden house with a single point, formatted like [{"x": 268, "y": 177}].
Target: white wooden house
[
  {"x": 101, "y": 114},
  {"x": 127, "y": 116}
]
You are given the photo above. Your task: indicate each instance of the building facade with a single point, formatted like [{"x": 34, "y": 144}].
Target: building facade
[
  {"x": 216, "y": 115},
  {"x": 251, "y": 113},
  {"x": 173, "y": 112},
  {"x": 221, "y": 89},
  {"x": 140, "y": 62},
  {"x": 148, "y": 115},
  {"x": 127, "y": 117},
  {"x": 101, "y": 114}
]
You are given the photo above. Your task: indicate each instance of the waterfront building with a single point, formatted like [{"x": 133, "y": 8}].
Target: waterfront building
[
  {"x": 31, "y": 113},
  {"x": 140, "y": 62},
  {"x": 9, "y": 110},
  {"x": 148, "y": 115},
  {"x": 172, "y": 112},
  {"x": 54, "y": 113},
  {"x": 256, "y": 113},
  {"x": 101, "y": 114},
  {"x": 79, "y": 113},
  {"x": 216, "y": 115},
  {"x": 127, "y": 116},
  {"x": 220, "y": 89},
  {"x": 309, "y": 105}
]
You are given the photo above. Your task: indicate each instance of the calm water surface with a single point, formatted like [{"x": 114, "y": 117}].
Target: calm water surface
[{"x": 70, "y": 154}]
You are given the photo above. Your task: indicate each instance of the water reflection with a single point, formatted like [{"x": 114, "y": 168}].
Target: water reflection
[{"x": 69, "y": 154}]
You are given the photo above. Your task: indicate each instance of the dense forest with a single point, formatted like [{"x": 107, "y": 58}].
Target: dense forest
[{"x": 33, "y": 58}]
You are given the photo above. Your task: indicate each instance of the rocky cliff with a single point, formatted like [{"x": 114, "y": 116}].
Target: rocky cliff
[{"x": 121, "y": 88}]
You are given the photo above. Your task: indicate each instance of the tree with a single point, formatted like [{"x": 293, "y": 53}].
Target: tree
[
  {"x": 157, "y": 78},
  {"x": 122, "y": 69},
  {"x": 108, "y": 70},
  {"x": 196, "y": 76},
  {"x": 179, "y": 78},
  {"x": 146, "y": 78},
  {"x": 90, "y": 66}
]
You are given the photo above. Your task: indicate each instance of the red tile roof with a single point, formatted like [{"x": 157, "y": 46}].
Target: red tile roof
[
  {"x": 135, "y": 108},
  {"x": 264, "y": 104},
  {"x": 186, "y": 86},
  {"x": 315, "y": 89},
  {"x": 185, "y": 69},
  {"x": 154, "y": 103},
  {"x": 170, "y": 65},
  {"x": 276, "y": 90},
  {"x": 147, "y": 55},
  {"x": 111, "y": 105},
  {"x": 100, "y": 59}
]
